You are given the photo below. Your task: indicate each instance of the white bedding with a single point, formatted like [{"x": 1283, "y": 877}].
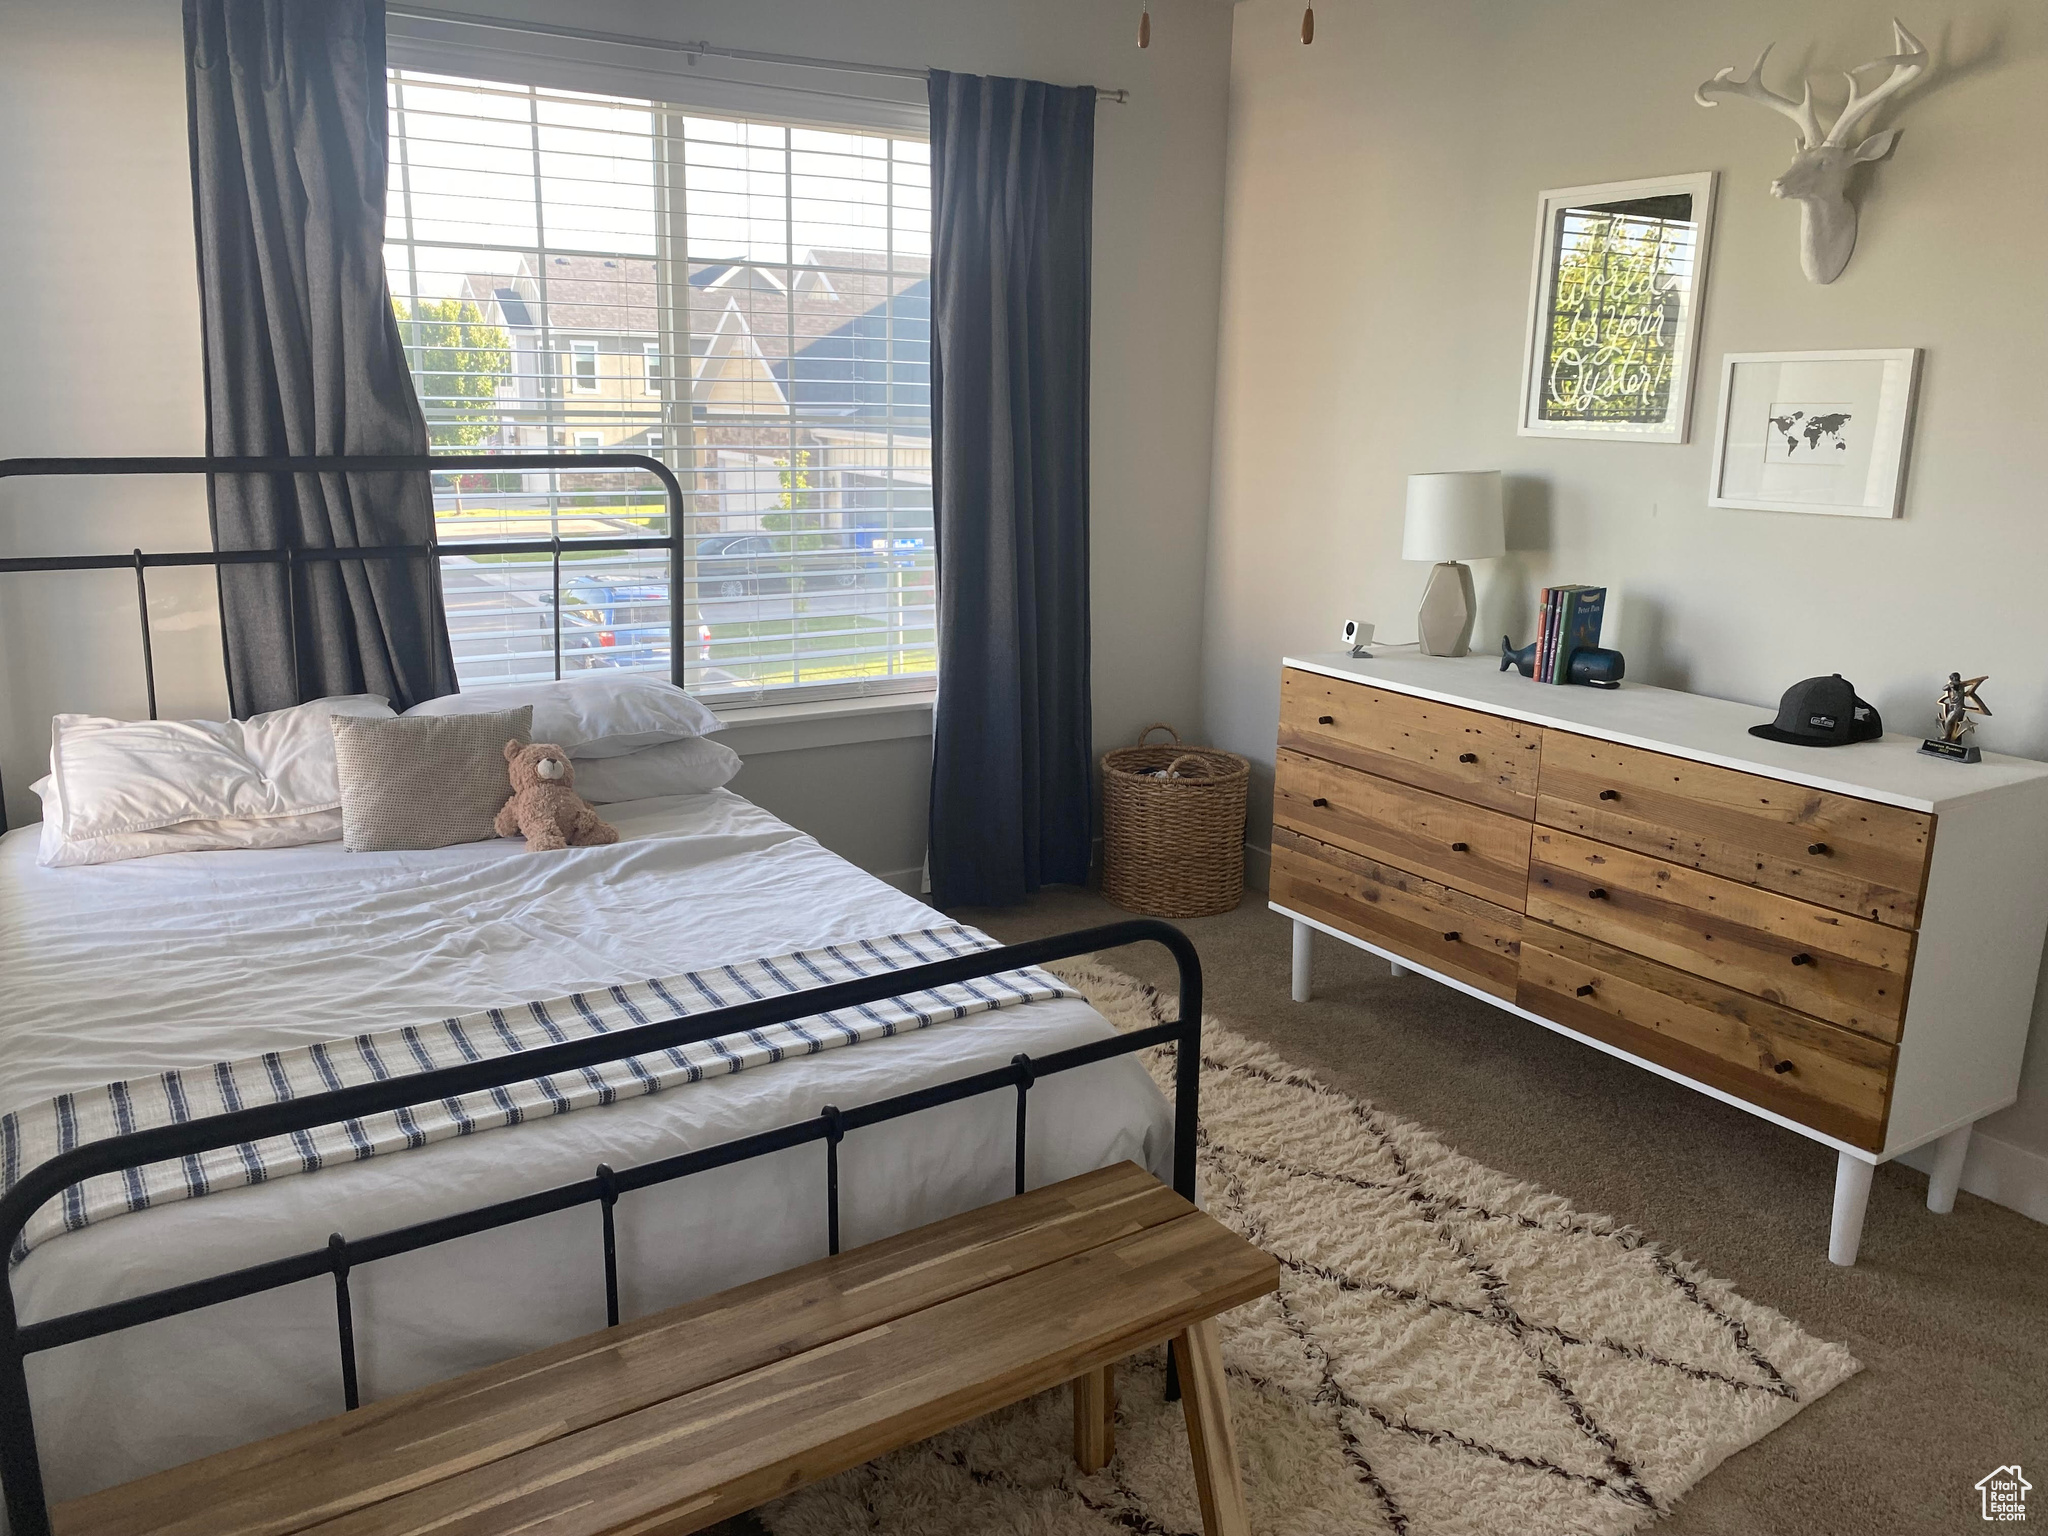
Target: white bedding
[{"x": 188, "y": 959}]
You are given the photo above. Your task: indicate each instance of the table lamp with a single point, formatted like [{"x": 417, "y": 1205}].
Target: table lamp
[{"x": 1452, "y": 517}]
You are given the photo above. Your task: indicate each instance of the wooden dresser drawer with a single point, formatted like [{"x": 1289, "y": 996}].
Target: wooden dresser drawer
[
  {"x": 1847, "y": 970},
  {"x": 1834, "y": 1080},
  {"x": 1421, "y": 920},
  {"x": 1478, "y": 851},
  {"x": 1834, "y": 850},
  {"x": 1463, "y": 753}
]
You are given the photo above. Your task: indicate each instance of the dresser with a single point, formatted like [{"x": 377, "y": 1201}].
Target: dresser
[{"x": 1844, "y": 941}]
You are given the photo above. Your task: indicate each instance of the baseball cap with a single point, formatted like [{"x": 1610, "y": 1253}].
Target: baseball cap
[{"x": 1822, "y": 712}]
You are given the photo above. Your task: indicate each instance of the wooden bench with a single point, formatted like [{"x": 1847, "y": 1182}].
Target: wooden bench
[{"x": 674, "y": 1422}]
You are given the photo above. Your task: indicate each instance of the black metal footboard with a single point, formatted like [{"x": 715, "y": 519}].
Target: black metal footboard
[{"x": 20, "y": 1467}]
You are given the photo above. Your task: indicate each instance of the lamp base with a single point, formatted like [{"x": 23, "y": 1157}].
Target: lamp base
[{"x": 1449, "y": 609}]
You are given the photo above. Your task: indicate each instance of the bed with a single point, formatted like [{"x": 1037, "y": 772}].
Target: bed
[{"x": 189, "y": 959}]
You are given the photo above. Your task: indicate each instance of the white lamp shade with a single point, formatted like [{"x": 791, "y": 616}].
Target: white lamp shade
[{"x": 1455, "y": 516}]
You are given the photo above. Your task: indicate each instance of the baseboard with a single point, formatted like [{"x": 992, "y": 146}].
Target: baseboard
[
  {"x": 1998, "y": 1171},
  {"x": 1258, "y": 867},
  {"x": 909, "y": 881}
]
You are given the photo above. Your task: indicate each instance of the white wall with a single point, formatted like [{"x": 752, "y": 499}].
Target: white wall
[
  {"x": 1380, "y": 206},
  {"x": 865, "y": 797},
  {"x": 99, "y": 353},
  {"x": 99, "y": 348}
]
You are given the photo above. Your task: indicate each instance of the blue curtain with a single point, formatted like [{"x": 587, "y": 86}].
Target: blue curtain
[
  {"x": 302, "y": 353},
  {"x": 1012, "y": 760}
]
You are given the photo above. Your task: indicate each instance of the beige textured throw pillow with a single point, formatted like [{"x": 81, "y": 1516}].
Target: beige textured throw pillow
[{"x": 424, "y": 781}]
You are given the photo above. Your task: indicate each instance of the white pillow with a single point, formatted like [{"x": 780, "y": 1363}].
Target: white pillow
[
  {"x": 186, "y": 837},
  {"x": 111, "y": 780},
  {"x": 693, "y": 767},
  {"x": 601, "y": 714}
]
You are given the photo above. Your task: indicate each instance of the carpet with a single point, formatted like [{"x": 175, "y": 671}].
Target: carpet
[{"x": 1452, "y": 1352}]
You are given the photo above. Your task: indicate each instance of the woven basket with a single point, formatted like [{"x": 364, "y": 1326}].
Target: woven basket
[{"x": 1173, "y": 847}]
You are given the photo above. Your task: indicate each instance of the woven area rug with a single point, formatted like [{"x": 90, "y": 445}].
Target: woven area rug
[{"x": 1451, "y": 1353}]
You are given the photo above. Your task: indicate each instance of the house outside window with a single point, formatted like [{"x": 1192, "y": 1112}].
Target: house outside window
[{"x": 773, "y": 278}]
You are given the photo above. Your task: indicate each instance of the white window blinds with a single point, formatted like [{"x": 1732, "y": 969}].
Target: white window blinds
[{"x": 746, "y": 300}]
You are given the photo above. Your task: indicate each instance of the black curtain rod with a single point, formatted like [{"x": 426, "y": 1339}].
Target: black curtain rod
[{"x": 692, "y": 49}]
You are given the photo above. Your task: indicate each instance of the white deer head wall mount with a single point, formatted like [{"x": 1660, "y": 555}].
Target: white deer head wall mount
[{"x": 1818, "y": 178}]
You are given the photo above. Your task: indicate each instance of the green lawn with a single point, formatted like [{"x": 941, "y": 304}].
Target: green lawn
[
  {"x": 544, "y": 556},
  {"x": 572, "y": 522},
  {"x": 642, "y": 512},
  {"x": 753, "y": 650}
]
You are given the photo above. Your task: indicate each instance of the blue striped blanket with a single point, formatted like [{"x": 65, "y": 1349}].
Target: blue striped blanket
[{"x": 31, "y": 1136}]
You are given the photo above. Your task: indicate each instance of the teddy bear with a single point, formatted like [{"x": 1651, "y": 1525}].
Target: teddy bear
[{"x": 544, "y": 803}]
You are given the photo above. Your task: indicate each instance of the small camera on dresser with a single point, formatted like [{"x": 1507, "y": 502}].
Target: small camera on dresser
[{"x": 1357, "y": 636}]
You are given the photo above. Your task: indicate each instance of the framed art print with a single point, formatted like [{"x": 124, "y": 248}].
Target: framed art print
[
  {"x": 1614, "y": 309},
  {"x": 1814, "y": 431}
]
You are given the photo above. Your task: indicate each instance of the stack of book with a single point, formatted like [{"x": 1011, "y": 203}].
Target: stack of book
[{"x": 1571, "y": 622}]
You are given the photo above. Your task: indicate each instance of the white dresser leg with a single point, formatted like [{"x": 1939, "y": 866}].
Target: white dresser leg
[
  {"x": 1396, "y": 968},
  {"x": 1949, "y": 1153},
  {"x": 1304, "y": 960},
  {"x": 1852, "y": 1194}
]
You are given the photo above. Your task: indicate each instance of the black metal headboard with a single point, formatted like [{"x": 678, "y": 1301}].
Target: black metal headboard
[{"x": 141, "y": 562}]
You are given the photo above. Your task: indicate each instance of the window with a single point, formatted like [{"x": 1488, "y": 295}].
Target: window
[
  {"x": 774, "y": 279},
  {"x": 590, "y": 442},
  {"x": 583, "y": 366}
]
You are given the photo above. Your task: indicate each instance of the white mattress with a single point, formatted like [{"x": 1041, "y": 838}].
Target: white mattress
[{"x": 188, "y": 959}]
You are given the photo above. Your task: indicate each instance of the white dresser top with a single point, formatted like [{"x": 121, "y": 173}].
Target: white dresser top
[{"x": 1688, "y": 725}]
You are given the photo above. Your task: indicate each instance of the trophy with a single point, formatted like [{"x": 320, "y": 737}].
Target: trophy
[{"x": 1957, "y": 702}]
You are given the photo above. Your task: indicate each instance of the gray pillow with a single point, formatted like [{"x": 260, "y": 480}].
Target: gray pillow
[{"x": 424, "y": 781}]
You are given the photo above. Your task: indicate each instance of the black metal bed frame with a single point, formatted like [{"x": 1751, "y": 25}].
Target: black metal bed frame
[{"x": 20, "y": 1464}]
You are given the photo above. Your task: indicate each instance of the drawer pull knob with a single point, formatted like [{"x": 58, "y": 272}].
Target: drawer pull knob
[
  {"x": 1326, "y": 719},
  {"x": 1585, "y": 991},
  {"x": 1468, "y": 757},
  {"x": 1451, "y": 937},
  {"x": 1610, "y": 794},
  {"x": 1782, "y": 1067},
  {"x": 1319, "y": 802},
  {"x": 1818, "y": 849},
  {"x": 1802, "y": 958},
  {"x": 1461, "y": 847},
  {"x": 1598, "y": 893}
]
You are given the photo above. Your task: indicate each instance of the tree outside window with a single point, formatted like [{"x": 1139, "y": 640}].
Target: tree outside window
[{"x": 459, "y": 360}]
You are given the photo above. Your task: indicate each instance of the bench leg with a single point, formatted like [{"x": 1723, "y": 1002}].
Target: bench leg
[
  {"x": 1095, "y": 1419},
  {"x": 1206, "y": 1399}
]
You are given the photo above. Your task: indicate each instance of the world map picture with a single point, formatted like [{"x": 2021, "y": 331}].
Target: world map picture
[{"x": 1808, "y": 432}]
